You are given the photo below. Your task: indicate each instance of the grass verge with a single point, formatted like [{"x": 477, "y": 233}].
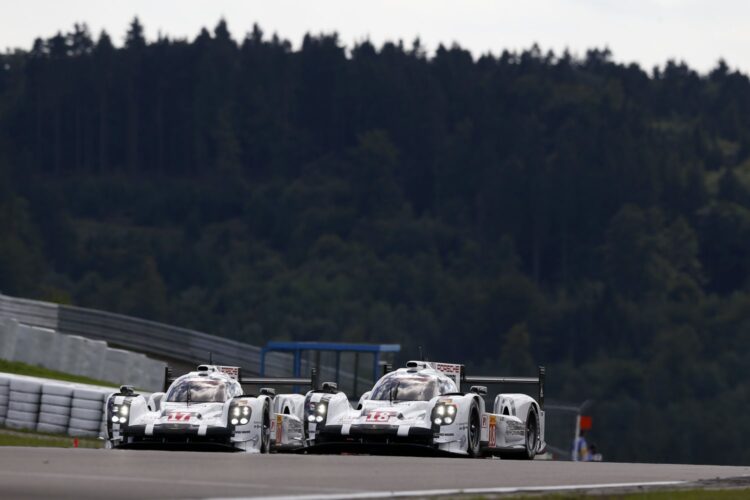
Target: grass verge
[
  {"x": 37, "y": 371},
  {"x": 14, "y": 437}
]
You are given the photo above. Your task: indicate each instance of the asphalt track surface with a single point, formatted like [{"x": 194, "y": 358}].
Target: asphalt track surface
[{"x": 113, "y": 474}]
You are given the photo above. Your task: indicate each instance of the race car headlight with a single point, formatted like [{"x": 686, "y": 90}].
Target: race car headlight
[
  {"x": 444, "y": 414},
  {"x": 316, "y": 412},
  {"x": 119, "y": 413},
  {"x": 239, "y": 414}
]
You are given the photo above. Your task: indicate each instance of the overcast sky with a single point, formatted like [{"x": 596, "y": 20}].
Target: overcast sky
[{"x": 649, "y": 32}]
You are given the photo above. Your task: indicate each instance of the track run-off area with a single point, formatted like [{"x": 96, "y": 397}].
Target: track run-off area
[{"x": 112, "y": 474}]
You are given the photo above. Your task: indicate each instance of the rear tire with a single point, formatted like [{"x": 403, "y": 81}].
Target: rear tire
[
  {"x": 532, "y": 435},
  {"x": 474, "y": 432},
  {"x": 265, "y": 432},
  {"x": 531, "y": 440}
]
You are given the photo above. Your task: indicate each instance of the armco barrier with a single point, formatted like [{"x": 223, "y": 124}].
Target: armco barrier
[
  {"x": 134, "y": 334},
  {"x": 142, "y": 336}
]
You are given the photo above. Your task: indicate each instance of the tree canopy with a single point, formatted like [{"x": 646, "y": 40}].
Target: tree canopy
[{"x": 502, "y": 211}]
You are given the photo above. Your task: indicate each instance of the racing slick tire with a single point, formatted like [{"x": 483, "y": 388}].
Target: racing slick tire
[
  {"x": 265, "y": 431},
  {"x": 474, "y": 431}
]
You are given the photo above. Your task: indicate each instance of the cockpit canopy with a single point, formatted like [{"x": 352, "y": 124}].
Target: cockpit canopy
[
  {"x": 201, "y": 390},
  {"x": 408, "y": 386}
]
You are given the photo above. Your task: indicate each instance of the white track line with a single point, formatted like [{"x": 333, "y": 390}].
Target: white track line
[{"x": 456, "y": 491}]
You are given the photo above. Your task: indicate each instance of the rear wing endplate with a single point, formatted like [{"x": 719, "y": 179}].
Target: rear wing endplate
[{"x": 538, "y": 380}]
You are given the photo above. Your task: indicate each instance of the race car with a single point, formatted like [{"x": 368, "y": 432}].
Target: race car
[
  {"x": 206, "y": 407},
  {"x": 421, "y": 407}
]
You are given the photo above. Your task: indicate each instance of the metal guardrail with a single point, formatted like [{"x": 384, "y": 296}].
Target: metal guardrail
[{"x": 148, "y": 337}]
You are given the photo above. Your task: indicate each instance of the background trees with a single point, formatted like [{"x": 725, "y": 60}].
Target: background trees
[{"x": 503, "y": 211}]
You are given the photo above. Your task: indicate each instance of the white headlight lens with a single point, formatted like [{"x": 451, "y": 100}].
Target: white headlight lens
[
  {"x": 234, "y": 421},
  {"x": 311, "y": 418},
  {"x": 440, "y": 410},
  {"x": 236, "y": 411},
  {"x": 115, "y": 409},
  {"x": 243, "y": 421},
  {"x": 123, "y": 410},
  {"x": 322, "y": 409},
  {"x": 318, "y": 419},
  {"x": 448, "y": 420},
  {"x": 451, "y": 410},
  {"x": 246, "y": 410},
  {"x": 438, "y": 420},
  {"x": 115, "y": 419}
]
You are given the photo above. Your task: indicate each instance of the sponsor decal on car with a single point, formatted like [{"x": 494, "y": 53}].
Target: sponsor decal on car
[
  {"x": 380, "y": 415},
  {"x": 179, "y": 416},
  {"x": 493, "y": 424}
]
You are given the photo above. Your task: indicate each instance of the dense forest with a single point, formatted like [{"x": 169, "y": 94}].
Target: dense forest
[{"x": 503, "y": 211}]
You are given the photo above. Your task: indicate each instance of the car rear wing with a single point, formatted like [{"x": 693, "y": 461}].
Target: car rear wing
[
  {"x": 538, "y": 380},
  {"x": 312, "y": 381}
]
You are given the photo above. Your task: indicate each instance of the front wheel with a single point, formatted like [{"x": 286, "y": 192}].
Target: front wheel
[
  {"x": 473, "y": 446},
  {"x": 265, "y": 432}
]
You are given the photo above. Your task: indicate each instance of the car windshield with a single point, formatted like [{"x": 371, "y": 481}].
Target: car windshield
[
  {"x": 201, "y": 391},
  {"x": 399, "y": 388}
]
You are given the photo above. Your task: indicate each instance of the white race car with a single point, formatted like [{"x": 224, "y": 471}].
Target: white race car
[
  {"x": 207, "y": 407},
  {"x": 422, "y": 406}
]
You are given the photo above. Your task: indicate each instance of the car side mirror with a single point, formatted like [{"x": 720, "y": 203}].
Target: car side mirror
[
  {"x": 268, "y": 391},
  {"x": 364, "y": 396},
  {"x": 155, "y": 401},
  {"x": 479, "y": 389}
]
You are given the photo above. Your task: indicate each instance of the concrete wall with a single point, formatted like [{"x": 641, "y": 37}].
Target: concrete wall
[{"x": 78, "y": 356}]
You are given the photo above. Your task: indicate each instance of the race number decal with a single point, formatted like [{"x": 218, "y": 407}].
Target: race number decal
[
  {"x": 179, "y": 416},
  {"x": 379, "y": 416},
  {"x": 493, "y": 425},
  {"x": 484, "y": 421}
]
